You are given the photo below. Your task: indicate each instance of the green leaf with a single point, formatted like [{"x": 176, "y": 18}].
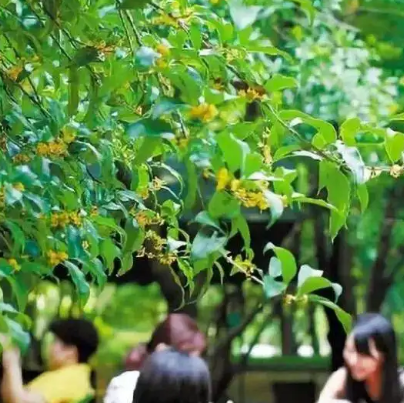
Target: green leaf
[
  {"x": 313, "y": 284},
  {"x": 188, "y": 272},
  {"x": 241, "y": 225},
  {"x": 196, "y": 36},
  {"x": 79, "y": 281},
  {"x": 394, "y": 146},
  {"x": 205, "y": 219},
  {"x": 133, "y": 4},
  {"x": 74, "y": 99},
  {"x": 297, "y": 197},
  {"x": 166, "y": 106},
  {"x": 354, "y": 161},
  {"x": 223, "y": 205},
  {"x": 20, "y": 290},
  {"x": 204, "y": 245},
  {"x": 400, "y": 116},
  {"x": 349, "y": 129},
  {"x": 149, "y": 128},
  {"x": 308, "y": 8},
  {"x": 126, "y": 264},
  {"x": 134, "y": 236},
  {"x": 96, "y": 269},
  {"x": 273, "y": 288},
  {"x": 326, "y": 129},
  {"x": 289, "y": 268},
  {"x": 18, "y": 335},
  {"x": 363, "y": 196},
  {"x": 192, "y": 184},
  {"x": 306, "y": 272},
  {"x": 278, "y": 82},
  {"x": 234, "y": 150},
  {"x": 18, "y": 237},
  {"x": 243, "y": 16},
  {"x": 275, "y": 204},
  {"x": 146, "y": 150},
  {"x": 339, "y": 190},
  {"x": 344, "y": 318},
  {"x": 275, "y": 267},
  {"x": 109, "y": 251}
]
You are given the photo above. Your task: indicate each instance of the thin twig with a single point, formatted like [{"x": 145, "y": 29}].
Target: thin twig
[
  {"x": 126, "y": 32},
  {"x": 133, "y": 26}
]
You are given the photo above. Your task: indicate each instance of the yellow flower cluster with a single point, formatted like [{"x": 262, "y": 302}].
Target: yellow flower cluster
[
  {"x": 64, "y": 218},
  {"x": 21, "y": 158},
  {"x": 251, "y": 94},
  {"x": 14, "y": 72},
  {"x": 163, "y": 49},
  {"x": 14, "y": 264},
  {"x": 157, "y": 245},
  {"x": 244, "y": 265},
  {"x": 396, "y": 171},
  {"x": 144, "y": 219},
  {"x": 204, "y": 112},
  {"x": 55, "y": 148},
  {"x": 94, "y": 211},
  {"x": 165, "y": 19},
  {"x": 247, "y": 198},
  {"x": 55, "y": 258},
  {"x": 251, "y": 199}
]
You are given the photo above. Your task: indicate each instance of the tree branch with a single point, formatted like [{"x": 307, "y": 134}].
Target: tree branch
[{"x": 236, "y": 331}]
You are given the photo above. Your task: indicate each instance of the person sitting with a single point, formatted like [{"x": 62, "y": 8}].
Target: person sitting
[
  {"x": 371, "y": 372},
  {"x": 177, "y": 330},
  {"x": 69, "y": 377},
  {"x": 171, "y": 376}
]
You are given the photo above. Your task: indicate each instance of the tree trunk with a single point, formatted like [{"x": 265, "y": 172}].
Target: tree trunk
[{"x": 380, "y": 281}]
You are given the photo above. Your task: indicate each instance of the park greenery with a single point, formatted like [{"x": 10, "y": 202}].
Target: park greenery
[{"x": 121, "y": 119}]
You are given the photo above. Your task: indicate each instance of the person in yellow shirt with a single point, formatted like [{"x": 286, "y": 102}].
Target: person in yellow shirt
[{"x": 69, "y": 377}]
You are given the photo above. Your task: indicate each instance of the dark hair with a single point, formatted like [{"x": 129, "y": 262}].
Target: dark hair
[
  {"x": 79, "y": 333},
  {"x": 177, "y": 330},
  {"x": 171, "y": 376},
  {"x": 373, "y": 326}
]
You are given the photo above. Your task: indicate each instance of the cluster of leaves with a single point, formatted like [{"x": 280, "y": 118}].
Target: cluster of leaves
[{"x": 100, "y": 100}]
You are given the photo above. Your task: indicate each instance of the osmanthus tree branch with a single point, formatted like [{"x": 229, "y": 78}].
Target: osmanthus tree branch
[{"x": 238, "y": 330}]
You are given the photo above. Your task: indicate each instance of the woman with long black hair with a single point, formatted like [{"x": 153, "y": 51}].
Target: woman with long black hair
[
  {"x": 371, "y": 373},
  {"x": 170, "y": 376}
]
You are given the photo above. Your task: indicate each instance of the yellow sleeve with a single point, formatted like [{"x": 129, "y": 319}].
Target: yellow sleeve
[{"x": 61, "y": 387}]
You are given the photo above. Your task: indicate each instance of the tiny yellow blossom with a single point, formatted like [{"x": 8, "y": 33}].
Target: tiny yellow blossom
[
  {"x": 143, "y": 193},
  {"x": 396, "y": 171},
  {"x": 85, "y": 245},
  {"x": 161, "y": 63},
  {"x": 68, "y": 135},
  {"x": 14, "y": 264},
  {"x": 94, "y": 211},
  {"x": 163, "y": 49},
  {"x": 19, "y": 186},
  {"x": 142, "y": 219},
  {"x": 21, "y": 159},
  {"x": 75, "y": 219},
  {"x": 14, "y": 72},
  {"x": 235, "y": 184},
  {"x": 55, "y": 258},
  {"x": 42, "y": 149},
  {"x": 167, "y": 259},
  {"x": 60, "y": 219},
  {"x": 204, "y": 112},
  {"x": 222, "y": 179}
]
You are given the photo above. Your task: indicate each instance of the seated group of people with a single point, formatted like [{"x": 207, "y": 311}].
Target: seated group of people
[{"x": 169, "y": 368}]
